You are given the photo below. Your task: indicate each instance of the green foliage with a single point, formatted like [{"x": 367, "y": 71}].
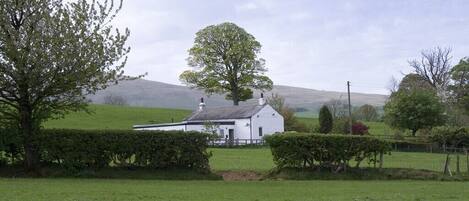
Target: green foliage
[
  {"x": 325, "y": 120},
  {"x": 366, "y": 113},
  {"x": 460, "y": 86},
  {"x": 414, "y": 110},
  {"x": 451, "y": 136},
  {"x": 412, "y": 82},
  {"x": 225, "y": 60},
  {"x": 95, "y": 149},
  {"x": 341, "y": 125},
  {"x": 324, "y": 151},
  {"x": 53, "y": 53}
]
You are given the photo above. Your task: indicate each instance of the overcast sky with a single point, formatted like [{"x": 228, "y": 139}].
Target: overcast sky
[{"x": 311, "y": 44}]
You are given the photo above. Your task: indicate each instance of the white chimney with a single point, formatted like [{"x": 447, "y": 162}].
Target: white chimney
[
  {"x": 201, "y": 104},
  {"x": 261, "y": 99}
]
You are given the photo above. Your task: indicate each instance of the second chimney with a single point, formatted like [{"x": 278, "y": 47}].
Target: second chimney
[
  {"x": 261, "y": 99},
  {"x": 201, "y": 104}
]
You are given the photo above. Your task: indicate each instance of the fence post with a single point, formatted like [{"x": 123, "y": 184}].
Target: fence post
[
  {"x": 381, "y": 158},
  {"x": 457, "y": 162}
]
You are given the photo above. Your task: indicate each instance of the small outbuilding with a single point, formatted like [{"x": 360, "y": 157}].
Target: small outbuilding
[{"x": 246, "y": 122}]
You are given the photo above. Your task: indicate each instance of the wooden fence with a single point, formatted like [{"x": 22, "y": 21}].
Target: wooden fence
[{"x": 222, "y": 142}]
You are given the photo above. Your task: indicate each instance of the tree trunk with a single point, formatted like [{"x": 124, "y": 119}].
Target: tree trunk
[
  {"x": 414, "y": 132},
  {"x": 27, "y": 128},
  {"x": 235, "y": 96}
]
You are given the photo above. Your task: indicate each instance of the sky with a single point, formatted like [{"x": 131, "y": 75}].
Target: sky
[{"x": 311, "y": 44}]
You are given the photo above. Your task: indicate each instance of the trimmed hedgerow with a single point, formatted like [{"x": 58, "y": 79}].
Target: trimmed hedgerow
[
  {"x": 94, "y": 149},
  {"x": 334, "y": 152},
  {"x": 450, "y": 136}
]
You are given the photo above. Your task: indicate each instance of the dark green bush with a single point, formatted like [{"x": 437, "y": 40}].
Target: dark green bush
[
  {"x": 450, "y": 136},
  {"x": 300, "y": 150},
  {"x": 81, "y": 149},
  {"x": 10, "y": 146}
]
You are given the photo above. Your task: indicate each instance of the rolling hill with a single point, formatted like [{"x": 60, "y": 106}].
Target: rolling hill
[{"x": 147, "y": 93}]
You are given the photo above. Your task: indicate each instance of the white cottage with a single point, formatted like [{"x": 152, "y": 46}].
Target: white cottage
[{"x": 232, "y": 122}]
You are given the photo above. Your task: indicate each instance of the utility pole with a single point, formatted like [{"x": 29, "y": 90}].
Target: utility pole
[{"x": 349, "y": 107}]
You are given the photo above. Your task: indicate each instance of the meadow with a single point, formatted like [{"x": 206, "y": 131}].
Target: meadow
[{"x": 146, "y": 190}]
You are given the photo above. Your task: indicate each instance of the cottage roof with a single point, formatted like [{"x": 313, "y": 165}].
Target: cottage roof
[{"x": 230, "y": 112}]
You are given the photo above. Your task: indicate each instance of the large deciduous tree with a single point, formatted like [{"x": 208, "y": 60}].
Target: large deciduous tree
[
  {"x": 414, "y": 110},
  {"x": 225, "y": 60},
  {"x": 52, "y": 54}
]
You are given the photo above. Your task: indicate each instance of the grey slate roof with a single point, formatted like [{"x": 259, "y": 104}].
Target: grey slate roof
[{"x": 230, "y": 112}]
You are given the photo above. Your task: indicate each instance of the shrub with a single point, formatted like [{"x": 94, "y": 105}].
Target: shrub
[
  {"x": 359, "y": 128},
  {"x": 341, "y": 125},
  {"x": 81, "y": 149},
  {"x": 10, "y": 146},
  {"x": 300, "y": 150},
  {"x": 325, "y": 120},
  {"x": 450, "y": 136}
]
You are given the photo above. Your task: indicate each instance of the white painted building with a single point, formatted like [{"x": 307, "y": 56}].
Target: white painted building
[{"x": 232, "y": 122}]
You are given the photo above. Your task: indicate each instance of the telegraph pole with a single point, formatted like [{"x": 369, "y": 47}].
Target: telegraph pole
[{"x": 349, "y": 108}]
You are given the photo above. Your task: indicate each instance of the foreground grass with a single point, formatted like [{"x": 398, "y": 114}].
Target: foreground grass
[
  {"x": 260, "y": 159},
  {"x": 142, "y": 190},
  {"x": 117, "y": 117}
]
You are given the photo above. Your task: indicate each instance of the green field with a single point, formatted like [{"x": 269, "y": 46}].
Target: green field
[
  {"x": 146, "y": 190},
  {"x": 117, "y": 117}
]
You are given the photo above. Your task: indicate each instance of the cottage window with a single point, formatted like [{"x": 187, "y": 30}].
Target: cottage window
[
  {"x": 222, "y": 132},
  {"x": 260, "y": 132}
]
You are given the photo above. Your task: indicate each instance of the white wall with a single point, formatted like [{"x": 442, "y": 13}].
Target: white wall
[{"x": 270, "y": 121}]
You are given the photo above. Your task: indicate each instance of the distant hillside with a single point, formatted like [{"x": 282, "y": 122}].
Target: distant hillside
[{"x": 157, "y": 94}]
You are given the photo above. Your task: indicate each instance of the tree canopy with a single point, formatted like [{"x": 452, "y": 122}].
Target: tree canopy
[
  {"x": 52, "y": 54},
  {"x": 460, "y": 85},
  {"x": 225, "y": 59},
  {"x": 366, "y": 113},
  {"x": 414, "y": 110}
]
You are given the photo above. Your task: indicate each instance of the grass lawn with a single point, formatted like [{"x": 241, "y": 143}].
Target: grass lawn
[
  {"x": 260, "y": 159},
  {"x": 140, "y": 190},
  {"x": 117, "y": 117}
]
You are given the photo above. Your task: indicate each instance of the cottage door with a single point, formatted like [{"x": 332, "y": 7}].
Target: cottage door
[{"x": 230, "y": 136}]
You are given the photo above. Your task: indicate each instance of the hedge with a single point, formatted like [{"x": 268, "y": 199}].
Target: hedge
[
  {"x": 451, "y": 136},
  {"x": 331, "y": 151},
  {"x": 80, "y": 149}
]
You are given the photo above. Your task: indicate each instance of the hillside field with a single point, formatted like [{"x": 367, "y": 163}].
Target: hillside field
[{"x": 117, "y": 117}]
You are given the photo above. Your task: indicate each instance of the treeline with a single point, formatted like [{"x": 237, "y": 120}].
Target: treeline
[{"x": 435, "y": 94}]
